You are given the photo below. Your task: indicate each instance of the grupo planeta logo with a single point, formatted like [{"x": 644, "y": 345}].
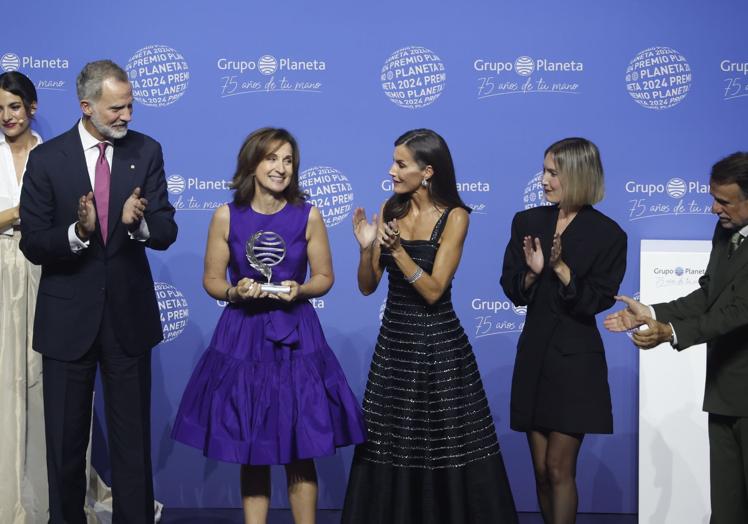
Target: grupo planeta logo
[
  {"x": 270, "y": 74},
  {"x": 735, "y": 79},
  {"x": 173, "y": 310},
  {"x": 677, "y": 275},
  {"x": 658, "y": 78},
  {"x": 526, "y": 74},
  {"x": 474, "y": 193},
  {"x": 10, "y": 62},
  {"x": 46, "y": 72},
  {"x": 329, "y": 191},
  {"x": 175, "y": 184},
  {"x": 267, "y": 64},
  {"x": 497, "y": 317},
  {"x": 159, "y": 75},
  {"x": 194, "y": 193},
  {"x": 676, "y": 196},
  {"x": 413, "y": 77}
]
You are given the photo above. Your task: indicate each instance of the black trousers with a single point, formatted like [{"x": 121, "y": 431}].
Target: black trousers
[
  {"x": 728, "y": 463},
  {"x": 68, "y": 393}
]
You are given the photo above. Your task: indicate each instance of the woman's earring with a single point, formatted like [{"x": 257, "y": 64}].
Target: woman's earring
[{"x": 425, "y": 182}]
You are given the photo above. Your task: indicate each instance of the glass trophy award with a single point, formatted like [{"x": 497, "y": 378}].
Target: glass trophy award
[{"x": 265, "y": 250}]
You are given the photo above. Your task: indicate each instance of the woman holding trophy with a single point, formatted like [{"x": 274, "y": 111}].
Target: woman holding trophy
[
  {"x": 268, "y": 389},
  {"x": 432, "y": 455}
]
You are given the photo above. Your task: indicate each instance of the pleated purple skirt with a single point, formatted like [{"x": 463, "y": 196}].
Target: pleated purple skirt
[{"x": 268, "y": 390}]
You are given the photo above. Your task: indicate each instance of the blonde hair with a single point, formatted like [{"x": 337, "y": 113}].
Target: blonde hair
[{"x": 578, "y": 163}]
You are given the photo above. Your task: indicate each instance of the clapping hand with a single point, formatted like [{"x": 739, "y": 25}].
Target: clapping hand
[
  {"x": 86, "y": 216},
  {"x": 364, "y": 231},
  {"x": 555, "y": 258},
  {"x": 134, "y": 209},
  {"x": 631, "y": 317},
  {"x": 656, "y": 334},
  {"x": 389, "y": 235},
  {"x": 533, "y": 254}
]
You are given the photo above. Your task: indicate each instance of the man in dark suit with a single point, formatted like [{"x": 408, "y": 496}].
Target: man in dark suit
[
  {"x": 716, "y": 313},
  {"x": 93, "y": 199}
]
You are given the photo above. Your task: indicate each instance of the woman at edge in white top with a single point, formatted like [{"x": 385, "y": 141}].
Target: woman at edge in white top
[{"x": 23, "y": 471}]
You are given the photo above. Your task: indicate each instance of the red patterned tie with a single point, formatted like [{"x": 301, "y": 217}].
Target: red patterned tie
[{"x": 101, "y": 189}]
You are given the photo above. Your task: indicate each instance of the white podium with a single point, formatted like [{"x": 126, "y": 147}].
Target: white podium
[{"x": 673, "y": 440}]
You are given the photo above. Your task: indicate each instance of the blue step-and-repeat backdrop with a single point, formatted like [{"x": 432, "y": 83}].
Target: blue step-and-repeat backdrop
[{"x": 661, "y": 87}]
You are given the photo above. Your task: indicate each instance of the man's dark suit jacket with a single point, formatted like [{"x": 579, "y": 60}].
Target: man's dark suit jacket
[
  {"x": 74, "y": 287},
  {"x": 717, "y": 313}
]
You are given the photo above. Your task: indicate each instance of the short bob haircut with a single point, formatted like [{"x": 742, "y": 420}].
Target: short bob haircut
[
  {"x": 92, "y": 76},
  {"x": 258, "y": 145},
  {"x": 580, "y": 169},
  {"x": 21, "y": 86},
  {"x": 732, "y": 169}
]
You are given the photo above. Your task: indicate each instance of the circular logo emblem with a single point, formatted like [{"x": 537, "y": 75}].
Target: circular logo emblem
[
  {"x": 524, "y": 66},
  {"x": 265, "y": 249},
  {"x": 329, "y": 191},
  {"x": 676, "y": 187},
  {"x": 519, "y": 310},
  {"x": 534, "y": 195},
  {"x": 10, "y": 62},
  {"x": 173, "y": 309},
  {"x": 679, "y": 271},
  {"x": 175, "y": 184},
  {"x": 658, "y": 78},
  {"x": 267, "y": 65},
  {"x": 413, "y": 77},
  {"x": 159, "y": 75}
]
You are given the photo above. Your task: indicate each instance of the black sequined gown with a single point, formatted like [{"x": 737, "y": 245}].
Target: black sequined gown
[{"x": 432, "y": 455}]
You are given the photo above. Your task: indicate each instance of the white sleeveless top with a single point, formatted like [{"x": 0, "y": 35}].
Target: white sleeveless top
[{"x": 10, "y": 189}]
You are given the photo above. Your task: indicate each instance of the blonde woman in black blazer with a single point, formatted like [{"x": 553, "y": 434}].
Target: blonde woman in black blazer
[{"x": 565, "y": 263}]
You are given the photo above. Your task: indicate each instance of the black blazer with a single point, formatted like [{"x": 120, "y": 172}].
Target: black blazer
[
  {"x": 717, "y": 313},
  {"x": 560, "y": 322},
  {"x": 76, "y": 287}
]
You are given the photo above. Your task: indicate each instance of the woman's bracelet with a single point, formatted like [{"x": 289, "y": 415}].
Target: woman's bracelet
[
  {"x": 228, "y": 297},
  {"x": 415, "y": 276}
]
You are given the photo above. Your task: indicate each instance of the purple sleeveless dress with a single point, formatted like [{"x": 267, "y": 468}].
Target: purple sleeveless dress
[{"x": 268, "y": 389}]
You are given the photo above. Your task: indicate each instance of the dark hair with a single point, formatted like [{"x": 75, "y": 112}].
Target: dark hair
[
  {"x": 92, "y": 76},
  {"x": 256, "y": 147},
  {"x": 580, "y": 169},
  {"x": 428, "y": 149},
  {"x": 732, "y": 169},
  {"x": 21, "y": 86}
]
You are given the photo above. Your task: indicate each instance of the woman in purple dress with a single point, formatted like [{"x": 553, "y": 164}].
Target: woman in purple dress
[{"x": 268, "y": 389}]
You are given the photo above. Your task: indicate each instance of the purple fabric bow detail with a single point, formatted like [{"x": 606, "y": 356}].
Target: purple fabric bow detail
[{"x": 281, "y": 327}]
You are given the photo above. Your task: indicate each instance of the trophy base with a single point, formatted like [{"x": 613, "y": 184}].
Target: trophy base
[{"x": 275, "y": 288}]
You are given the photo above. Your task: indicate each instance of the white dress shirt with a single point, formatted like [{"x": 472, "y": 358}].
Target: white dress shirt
[{"x": 10, "y": 188}]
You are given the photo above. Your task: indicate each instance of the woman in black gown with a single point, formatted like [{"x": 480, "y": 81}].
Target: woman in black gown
[
  {"x": 565, "y": 263},
  {"x": 432, "y": 455}
]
